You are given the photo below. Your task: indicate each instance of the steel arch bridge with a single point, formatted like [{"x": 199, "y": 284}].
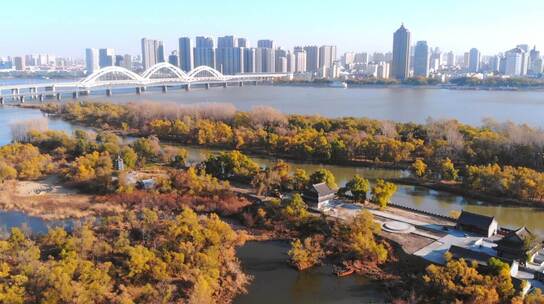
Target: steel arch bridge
[{"x": 164, "y": 73}]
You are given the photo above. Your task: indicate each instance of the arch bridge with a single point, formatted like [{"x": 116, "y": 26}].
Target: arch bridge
[{"x": 161, "y": 75}]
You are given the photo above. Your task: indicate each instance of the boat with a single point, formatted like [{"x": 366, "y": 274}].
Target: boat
[{"x": 338, "y": 84}]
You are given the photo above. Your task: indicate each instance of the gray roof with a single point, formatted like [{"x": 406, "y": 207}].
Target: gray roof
[
  {"x": 476, "y": 220},
  {"x": 469, "y": 255},
  {"x": 323, "y": 189}
]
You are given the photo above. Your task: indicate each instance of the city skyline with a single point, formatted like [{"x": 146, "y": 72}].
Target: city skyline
[{"x": 453, "y": 28}]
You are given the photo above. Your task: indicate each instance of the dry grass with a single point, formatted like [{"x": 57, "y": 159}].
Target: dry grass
[{"x": 49, "y": 200}]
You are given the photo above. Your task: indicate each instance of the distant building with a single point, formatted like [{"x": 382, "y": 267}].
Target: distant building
[
  {"x": 514, "y": 61},
  {"x": 300, "y": 60},
  {"x": 173, "y": 58},
  {"x": 421, "y": 59},
  {"x": 185, "y": 54},
  {"x": 265, "y": 43},
  {"x": 535, "y": 62},
  {"x": 152, "y": 52},
  {"x": 127, "y": 62},
  {"x": 204, "y": 52},
  {"x": 229, "y": 57},
  {"x": 400, "y": 66},
  {"x": 474, "y": 61},
  {"x": 91, "y": 61},
  {"x": 327, "y": 56},
  {"x": 361, "y": 58},
  {"x": 19, "y": 63},
  {"x": 450, "y": 59},
  {"x": 242, "y": 42},
  {"x": 119, "y": 164},
  {"x": 249, "y": 60},
  {"x": 106, "y": 57},
  {"x": 312, "y": 58},
  {"x": 476, "y": 223},
  {"x": 318, "y": 195}
]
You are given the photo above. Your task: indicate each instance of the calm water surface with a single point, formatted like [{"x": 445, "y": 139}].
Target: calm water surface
[{"x": 398, "y": 104}]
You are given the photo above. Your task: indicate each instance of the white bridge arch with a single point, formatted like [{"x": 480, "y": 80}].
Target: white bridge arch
[{"x": 163, "y": 73}]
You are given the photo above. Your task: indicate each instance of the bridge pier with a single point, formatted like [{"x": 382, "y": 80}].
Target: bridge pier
[
  {"x": 187, "y": 87},
  {"x": 2, "y": 100},
  {"x": 75, "y": 95},
  {"x": 41, "y": 97},
  {"x": 164, "y": 88},
  {"x": 22, "y": 99},
  {"x": 139, "y": 90},
  {"x": 207, "y": 86},
  {"x": 15, "y": 92},
  {"x": 241, "y": 83},
  {"x": 59, "y": 96},
  {"x": 109, "y": 92},
  {"x": 225, "y": 85}
]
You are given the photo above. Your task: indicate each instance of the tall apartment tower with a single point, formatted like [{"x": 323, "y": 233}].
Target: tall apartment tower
[
  {"x": 204, "y": 52},
  {"x": 312, "y": 58},
  {"x": 152, "y": 52},
  {"x": 91, "y": 60},
  {"x": 400, "y": 65},
  {"x": 265, "y": 43},
  {"x": 474, "y": 61},
  {"x": 106, "y": 57},
  {"x": 421, "y": 59},
  {"x": 185, "y": 54},
  {"x": 327, "y": 56},
  {"x": 229, "y": 57}
]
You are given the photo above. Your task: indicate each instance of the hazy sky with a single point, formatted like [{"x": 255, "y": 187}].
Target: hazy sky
[{"x": 67, "y": 27}]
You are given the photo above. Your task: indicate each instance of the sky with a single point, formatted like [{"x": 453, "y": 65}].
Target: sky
[{"x": 67, "y": 27}]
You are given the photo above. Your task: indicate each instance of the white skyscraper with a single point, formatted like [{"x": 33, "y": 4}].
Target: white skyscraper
[
  {"x": 514, "y": 62},
  {"x": 327, "y": 56},
  {"x": 152, "y": 52},
  {"x": 300, "y": 60},
  {"x": 91, "y": 60}
]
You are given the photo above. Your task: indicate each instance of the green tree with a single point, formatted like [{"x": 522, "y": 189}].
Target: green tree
[
  {"x": 382, "y": 192},
  {"x": 296, "y": 208},
  {"x": 359, "y": 187},
  {"x": 323, "y": 176}
]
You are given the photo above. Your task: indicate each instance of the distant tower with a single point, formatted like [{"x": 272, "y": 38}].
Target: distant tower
[
  {"x": 474, "y": 61},
  {"x": 421, "y": 59},
  {"x": 400, "y": 67},
  {"x": 186, "y": 58}
]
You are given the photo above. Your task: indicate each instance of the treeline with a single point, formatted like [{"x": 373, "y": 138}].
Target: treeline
[
  {"x": 521, "y": 82},
  {"x": 136, "y": 257}
]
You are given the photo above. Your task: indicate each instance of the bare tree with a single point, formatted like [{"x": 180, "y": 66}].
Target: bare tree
[{"x": 20, "y": 129}]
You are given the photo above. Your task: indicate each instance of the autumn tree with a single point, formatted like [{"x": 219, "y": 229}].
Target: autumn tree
[
  {"x": 448, "y": 171},
  {"x": 305, "y": 254},
  {"x": 382, "y": 192},
  {"x": 296, "y": 208},
  {"x": 323, "y": 176},
  {"x": 419, "y": 168},
  {"x": 358, "y": 187}
]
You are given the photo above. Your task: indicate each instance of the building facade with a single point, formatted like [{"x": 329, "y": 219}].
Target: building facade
[
  {"x": 421, "y": 59},
  {"x": 400, "y": 65}
]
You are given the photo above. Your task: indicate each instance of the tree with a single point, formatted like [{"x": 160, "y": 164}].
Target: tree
[
  {"x": 148, "y": 149},
  {"x": 305, "y": 254},
  {"x": 7, "y": 172},
  {"x": 419, "y": 168},
  {"x": 296, "y": 208},
  {"x": 359, "y": 237},
  {"x": 382, "y": 192},
  {"x": 300, "y": 179},
  {"x": 448, "y": 171},
  {"x": 358, "y": 187},
  {"x": 323, "y": 176}
]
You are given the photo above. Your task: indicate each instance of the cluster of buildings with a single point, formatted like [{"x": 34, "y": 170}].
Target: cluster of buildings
[
  {"x": 40, "y": 62},
  {"x": 420, "y": 60},
  {"x": 228, "y": 54},
  {"x": 234, "y": 55}
]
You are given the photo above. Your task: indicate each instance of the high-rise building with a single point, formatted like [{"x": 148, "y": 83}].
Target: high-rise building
[
  {"x": 152, "y": 52},
  {"x": 19, "y": 63},
  {"x": 127, "y": 62},
  {"x": 300, "y": 60},
  {"x": 185, "y": 55},
  {"x": 242, "y": 42},
  {"x": 281, "y": 60},
  {"x": 249, "y": 60},
  {"x": 382, "y": 71},
  {"x": 535, "y": 62},
  {"x": 361, "y": 58},
  {"x": 265, "y": 43},
  {"x": 514, "y": 62},
  {"x": 106, "y": 57},
  {"x": 91, "y": 60},
  {"x": 119, "y": 60},
  {"x": 494, "y": 63},
  {"x": 204, "y": 52},
  {"x": 450, "y": 59},
  {"x": 474, "y": 61},
  {"x": 327, "y": 56},
  {"x": 312, "y": 58},
  {"x": 291, "y": 62},
  {"x": 421, "y": 59},
  {"x": 229, "y": 57},
  {"x": 400, "y": 65},
  {"x": 173, "y": 58},
  {"x": 348, "y": 59}
]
